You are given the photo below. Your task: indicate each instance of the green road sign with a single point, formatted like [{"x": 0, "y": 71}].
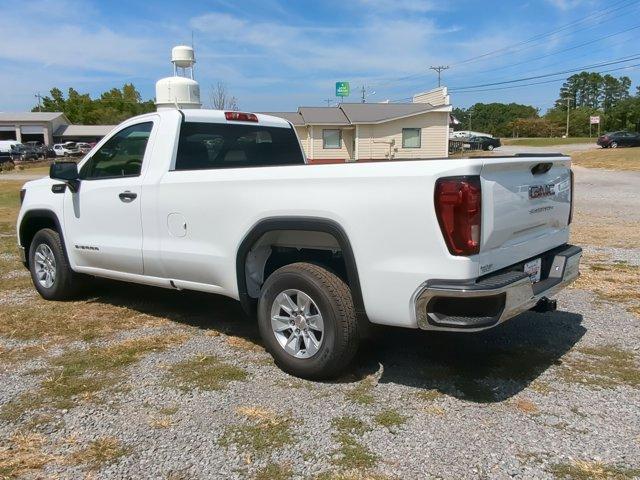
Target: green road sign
[{"x": 342, "y": 89}]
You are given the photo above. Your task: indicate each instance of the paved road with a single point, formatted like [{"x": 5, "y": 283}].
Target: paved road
[
  {"x": 574, "y": 147},
  {"x": 608, "y": 193},
  {"x": 20, "y": 176}
]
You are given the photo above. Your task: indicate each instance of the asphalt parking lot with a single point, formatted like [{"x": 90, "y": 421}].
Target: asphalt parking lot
[{"x": 135, "y": 382}]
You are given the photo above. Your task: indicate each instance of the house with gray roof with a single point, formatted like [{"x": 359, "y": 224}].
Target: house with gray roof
[{"x": 352, "y": 132}]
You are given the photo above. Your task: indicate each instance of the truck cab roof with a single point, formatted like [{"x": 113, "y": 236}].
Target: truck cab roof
[{"x": 218, "y": 116}]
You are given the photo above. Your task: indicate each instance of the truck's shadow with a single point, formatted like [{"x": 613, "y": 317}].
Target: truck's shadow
[{"x": 490, "y": 366}]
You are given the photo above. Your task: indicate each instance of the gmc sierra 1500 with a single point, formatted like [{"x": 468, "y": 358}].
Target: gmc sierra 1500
[{"x": 224, "y": 202}]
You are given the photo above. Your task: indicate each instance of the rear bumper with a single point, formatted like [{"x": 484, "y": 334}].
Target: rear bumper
[{"x": 483, "y": 303}]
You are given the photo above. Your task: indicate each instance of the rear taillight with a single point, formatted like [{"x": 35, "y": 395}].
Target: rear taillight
[
  {"x": 241, "y": 116},
  {"x": 571, "y": 198},
  {"x": 458, "y": 208}
]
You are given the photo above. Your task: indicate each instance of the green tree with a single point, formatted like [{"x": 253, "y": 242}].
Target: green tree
[
  {"x": 593, "y": 90},
  {"x": 111, "y": 107},
  {"x": 494, "y": 118}
]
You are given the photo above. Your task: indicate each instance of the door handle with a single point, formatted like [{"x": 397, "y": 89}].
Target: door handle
[{"x": 128, "y": 196}]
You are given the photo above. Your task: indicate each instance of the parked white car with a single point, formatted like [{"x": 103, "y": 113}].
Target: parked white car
[
  {"x": 66, "y": 149},
  {"x": 224, "y": 202},
  {"x": 83, "y": 147},
  {"x": 6, "y": 145},
  {"x": 461, "y": 134}
]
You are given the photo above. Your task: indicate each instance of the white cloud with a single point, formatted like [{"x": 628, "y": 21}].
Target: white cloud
[
  {"x": 416, "y": 6},
  {"x": 568, "y": 4}
]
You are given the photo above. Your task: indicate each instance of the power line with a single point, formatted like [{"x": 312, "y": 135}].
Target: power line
[
  {"x": 555, "y": 80},
  {"x": 550, "y": 33},
  {"x": 509, "y": 49},
  {"x": 635, "y": 56},
  {"x": 508, "y": 87},
  {"x": 590, "y": 42}
]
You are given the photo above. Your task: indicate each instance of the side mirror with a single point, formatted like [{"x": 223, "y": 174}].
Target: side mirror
[{"x": 67, "y": 172}]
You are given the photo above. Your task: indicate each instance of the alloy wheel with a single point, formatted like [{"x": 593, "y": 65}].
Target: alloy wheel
[
  {"x": 45, "y": 265},
  {"x": 297, "y": 323}
]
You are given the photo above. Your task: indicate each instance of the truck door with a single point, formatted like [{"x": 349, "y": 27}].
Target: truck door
[{"x": 103, "y": 220}]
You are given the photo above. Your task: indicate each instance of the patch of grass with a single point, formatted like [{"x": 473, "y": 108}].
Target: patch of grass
[
  {"x": 206, "y": 372},
  {"x": 608, "y": 231},
  {"x": 353, "y": 455},
  {"x": 261, "y": 436},
  {"x": 541, "y": 387},
  {"x": 390, "y": 418},
  {"x": 80, "y": 374},
  {"x": 430, "y": 395},
  {"x": 350, "y": 425},
  {"x": 605, "y": 366},
  {"x": 351, "y": 475},
  {"x": 99, "y": 453},
  {"x": 274, "y": 471},
  {"x": 69, "y": 321},
  {"x": 22, "y": 354},
  {"x": 605, "y": 280},
  {"x": 546, "y": 142},
  {"x": 593, "y": 471},
  {"x": 362, "y": 393},
  {"x": 611, "y": 159},
  {"x": 23, "y": 454}
]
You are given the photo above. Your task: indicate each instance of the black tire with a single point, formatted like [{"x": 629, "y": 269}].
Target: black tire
[
  {"x": 490, "y": 148},
  {"x": 332, "y": 297},
  {"x": 66, "y": 283},
  {"x": 613, "y": 145}
]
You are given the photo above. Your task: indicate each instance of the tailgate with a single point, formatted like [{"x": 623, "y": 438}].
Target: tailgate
[{"x": 525, "y": 208}]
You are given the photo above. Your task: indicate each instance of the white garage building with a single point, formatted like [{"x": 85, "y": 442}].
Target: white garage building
[{"x": 48, "y": 128}]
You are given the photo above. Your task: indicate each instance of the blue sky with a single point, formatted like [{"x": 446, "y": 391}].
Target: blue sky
[{"x": 278, "y": 55}]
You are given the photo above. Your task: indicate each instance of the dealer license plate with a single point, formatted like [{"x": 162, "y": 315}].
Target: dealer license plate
[{"x": 533, "y": 269}]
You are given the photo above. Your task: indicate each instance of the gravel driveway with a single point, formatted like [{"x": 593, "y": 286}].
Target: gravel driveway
[{"x": 176, "y": 385}]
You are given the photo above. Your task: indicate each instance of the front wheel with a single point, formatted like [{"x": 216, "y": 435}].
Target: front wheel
[
  {"x": 50, "y": 272},
  {"x": 613, "y": 145},
  {"x": 490, "y": 148},
  {"x": 307, "y": 321}
]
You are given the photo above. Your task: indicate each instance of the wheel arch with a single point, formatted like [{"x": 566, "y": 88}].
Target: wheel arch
[
  {"x": 35, "y": 220},
  {"x": 311, "y": 224}
]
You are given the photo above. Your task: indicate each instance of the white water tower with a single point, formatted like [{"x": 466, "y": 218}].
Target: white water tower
[{"x": 181, "y": 90}]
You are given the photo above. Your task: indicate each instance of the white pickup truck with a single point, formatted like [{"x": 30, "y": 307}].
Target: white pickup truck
[{"x": 224, "y": 202}]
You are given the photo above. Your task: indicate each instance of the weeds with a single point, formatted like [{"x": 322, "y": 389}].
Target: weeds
[
  {"x": 390, "y": 418},
  {"x": 593, "y": 471},
  {"x": 206, "y": 372},
  {"x": 99, "y": 453},
  {"x": 602, "y": 367}
]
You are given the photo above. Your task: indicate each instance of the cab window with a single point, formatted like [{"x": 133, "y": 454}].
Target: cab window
[{"x": 121, "y": 155}]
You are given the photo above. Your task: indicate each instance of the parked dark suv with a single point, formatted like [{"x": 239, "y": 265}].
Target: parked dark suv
[{"x": 619, "y": 139}]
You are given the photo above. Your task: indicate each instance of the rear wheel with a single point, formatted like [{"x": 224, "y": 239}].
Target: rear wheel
[
  {"x": 307, "y": 321},
  {"x": 50, "y": 272}
]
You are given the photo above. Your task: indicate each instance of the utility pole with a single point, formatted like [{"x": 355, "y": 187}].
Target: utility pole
[
  {"x": 568, "y": 107},
  {"x": 439, "y": 69},
  {"x": 363, "y": 93},
  {"x": 39, "y": 97},
  {"x": 329, "y": 100}
]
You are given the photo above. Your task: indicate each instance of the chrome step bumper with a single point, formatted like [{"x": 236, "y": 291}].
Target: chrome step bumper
[{"x": 475, "y": 305}]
